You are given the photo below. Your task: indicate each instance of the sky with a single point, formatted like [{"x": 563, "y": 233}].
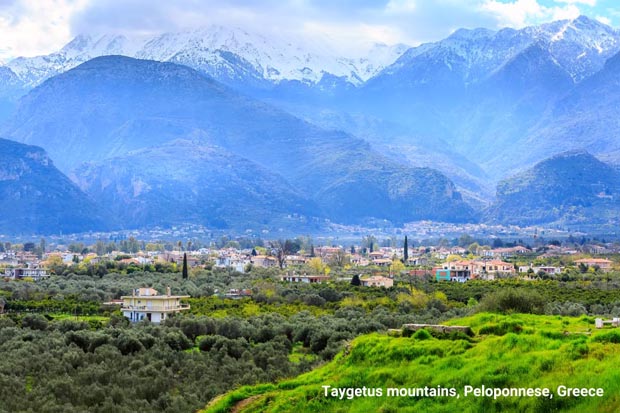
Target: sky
[{"x": 37, "y": 27}]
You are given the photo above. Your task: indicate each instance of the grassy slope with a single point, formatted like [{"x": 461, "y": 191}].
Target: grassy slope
[{"x": 524, "y": 351}]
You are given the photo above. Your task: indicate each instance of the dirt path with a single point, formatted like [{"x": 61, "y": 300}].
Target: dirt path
[{"x": 238, "y": 408}]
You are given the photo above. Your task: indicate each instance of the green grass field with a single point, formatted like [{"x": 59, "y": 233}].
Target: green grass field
[{"x": 514, "y": 351}]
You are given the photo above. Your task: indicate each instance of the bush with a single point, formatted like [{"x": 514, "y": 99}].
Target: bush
[
  {"x": 502, "y": 328},
  {"x": 513, "y": 301},
  {"x": 35, "y": 322},
  {"x": 611, "y": 337},
  {"x": 422, "y": 334}
]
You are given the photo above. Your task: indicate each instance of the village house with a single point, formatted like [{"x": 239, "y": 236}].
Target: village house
[
  {"x": 376, "y": 255},
  {"x": 326, "y": 253},
  {"x": 382, "y": 262},
  {"x": 359, "y": 261},
  {"x": 377, "y": 281},
  {"x": 595, "y": 249},
  {"x": 237, "y": 294},
  {"x": 147, "y": 304},
  {"x": 458, "y": 251},
  {"x": 506, "y": 252},
  {"x": 263, "y": 261},
  {"x": 497, "y": 267},
  {"x": 177, "y": 257},
  {"x": 465, "y": 270},
  {"x": 33, "y": 272},
  {"x": 305, "y": 279},
  {"x": 603, "y": 264},
  {"x": 460, "y": 271},
  {"x": 541, "y": 268},
  {"x": 418, "y": 260},
  {"x": 236, "y": 262},
  {"x": 295, "y": 260}
]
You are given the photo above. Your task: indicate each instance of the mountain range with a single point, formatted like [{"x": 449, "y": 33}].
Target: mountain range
[
  {"x": 400, "y": 134},
  {"x": 115, "y": 110},
  {"x": 572, "y": 189},
  {"x": 35, "y": 197}
]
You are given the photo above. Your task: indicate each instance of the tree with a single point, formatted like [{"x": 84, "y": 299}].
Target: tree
[
  {"x": 317, "y": 265},
  {"x": 473, "y": 248},
  {"x": 312, "y": 254},
  {"x": 340, "y": 259},
  {"x": 100, "y": 248},
  {"x": 185, "y": 272},
  {"x": 356, "y": 280},
  {"x": 281, "y": 249},
  {"x": 396, "y": 267},
  {"x": 406, "y": 251},
  {"x": 465, "y": 240}
]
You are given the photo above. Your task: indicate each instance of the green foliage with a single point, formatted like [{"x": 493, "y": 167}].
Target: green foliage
[
  {"x": 512, "y": 300},
  {"x": 527, "y": 359},
  {"x": 422, "y": 335}
]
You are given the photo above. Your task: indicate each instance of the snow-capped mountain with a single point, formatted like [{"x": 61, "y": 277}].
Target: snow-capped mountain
[
  {"x": 34, "y": 70},
  {"x": 581, "y": 46},
  {"x": 225, "y": 53}
]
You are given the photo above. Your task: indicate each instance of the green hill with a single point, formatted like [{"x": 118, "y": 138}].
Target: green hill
[
  {"x": 571, "y": 189},
  {"x": 516, "y": 351}
]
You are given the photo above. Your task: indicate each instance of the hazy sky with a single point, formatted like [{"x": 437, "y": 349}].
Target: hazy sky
[{"x": 33, "y": 27}]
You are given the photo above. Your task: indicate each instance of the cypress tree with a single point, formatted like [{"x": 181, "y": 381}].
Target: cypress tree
[
  {"x": 406, "y": 251},
  {"x": 356, "y": 280},
  {"x": 185, "y": 273}
]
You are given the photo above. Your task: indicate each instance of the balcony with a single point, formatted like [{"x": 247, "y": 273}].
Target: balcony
[{"x": 155, "y": 308}]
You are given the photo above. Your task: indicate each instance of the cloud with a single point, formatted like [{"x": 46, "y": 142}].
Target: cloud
[
  {"x": 31, "y": 27},
  {"x": 604, "y": 20},
  {"x": 591, "y": 3},
  {"x": 520, "y": 13}
]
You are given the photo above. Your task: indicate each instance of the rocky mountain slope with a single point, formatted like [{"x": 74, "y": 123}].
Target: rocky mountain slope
[
  {"x": 36, "y": 198},
  {"x": 111, "y": 106},
  {"x": 571, "y": 189}
]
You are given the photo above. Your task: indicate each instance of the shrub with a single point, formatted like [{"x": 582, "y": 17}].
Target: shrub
[
  {"x": 513, "y": 301},
  {"x": 34, "y": 322},
  {"x": 422, "y": 335}
]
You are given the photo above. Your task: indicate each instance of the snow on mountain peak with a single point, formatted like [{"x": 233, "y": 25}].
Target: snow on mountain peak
[
  {"x": 217, "y": 50},
  {"x": 580, "y": 46}
]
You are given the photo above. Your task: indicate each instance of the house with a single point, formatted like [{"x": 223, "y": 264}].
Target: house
[
  {"x": 460, "y": 271},
  {"x": 306, "y": 279},
  {"x": 30, "y": 272},
  {"x": 417, "y": 261},
  {"x": 603, "y": 264},
  {"x": 177, "y": 257},
  {"x": 264, "y": 261},
  {"x": 536, "y": 269},
  {"x": 497, "y": 267},
  {"x": 358, "y": 260},
  {"x": 469, "y": 269},
  {"x": 507, "y": 252},
  {"x": 295, "y": 260},
  {"x": 377, "y": 281},
  {"x": 147, "y": 304},
  {"x": 382, "y": 262},
  {"x": 236, "y": 262},
  {"x": 236, "y": 294}
]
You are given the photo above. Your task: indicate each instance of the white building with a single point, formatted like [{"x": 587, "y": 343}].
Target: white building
[{"x": 145, "y": 303}]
